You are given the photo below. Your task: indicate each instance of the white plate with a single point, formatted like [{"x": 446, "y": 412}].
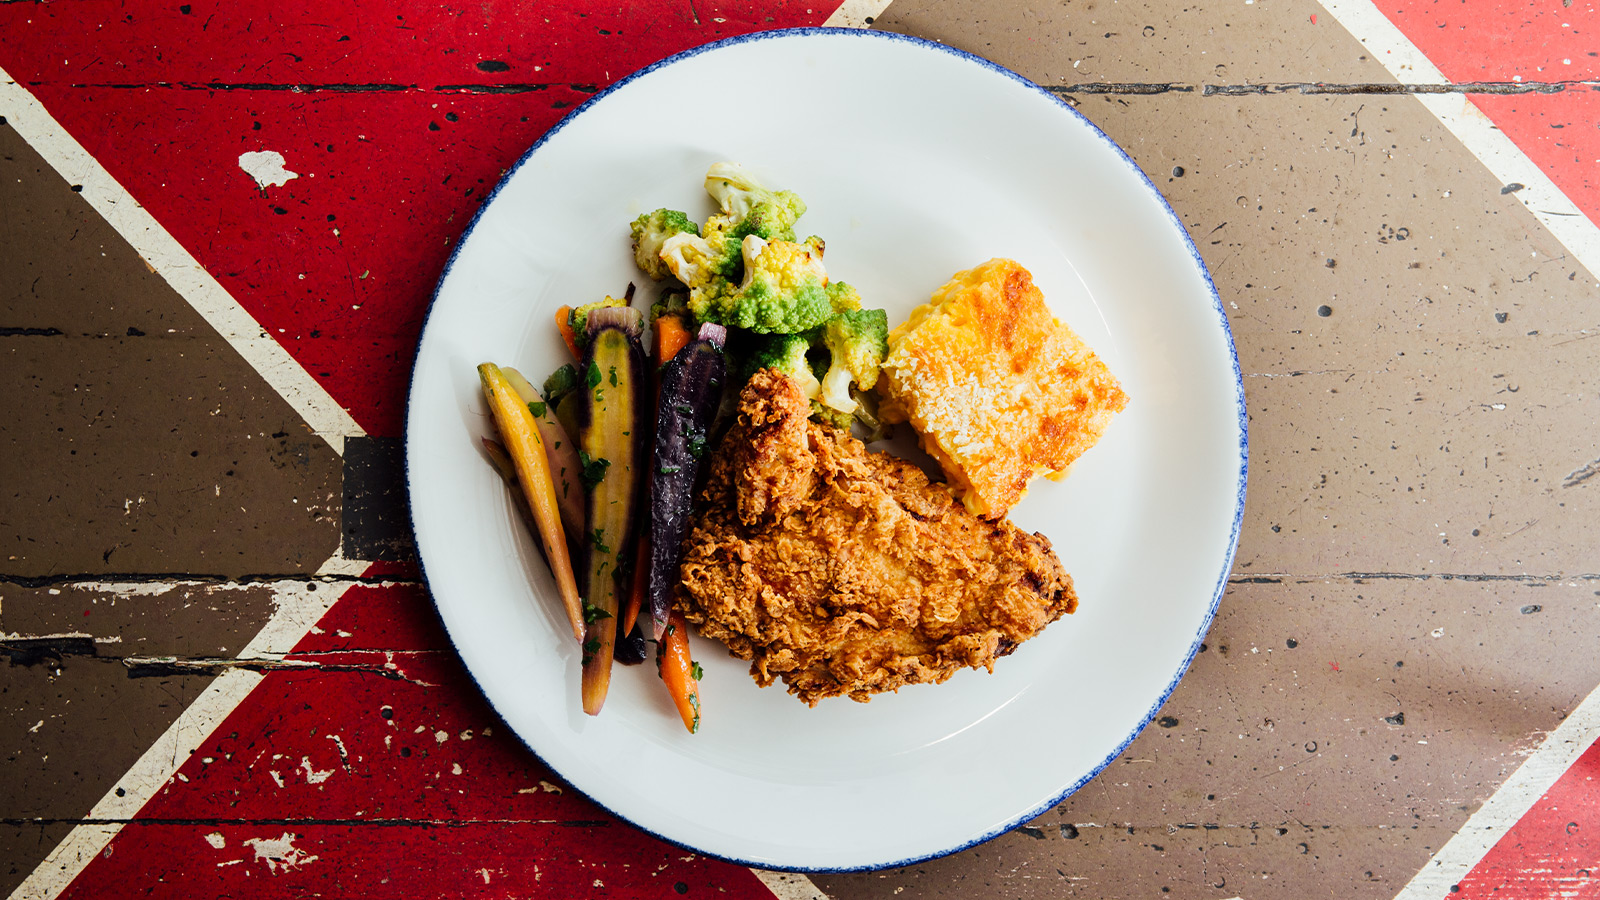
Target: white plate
[{"x": 916, "y": 161}]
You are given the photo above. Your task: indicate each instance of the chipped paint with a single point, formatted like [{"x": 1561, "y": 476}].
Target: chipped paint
[
  {"x": 267, "y": 168},
  {"x": 280, "y": 852},
  {"x": 313, "y": 775}
]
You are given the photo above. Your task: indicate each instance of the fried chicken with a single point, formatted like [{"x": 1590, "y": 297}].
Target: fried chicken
[{"x": 845, "y": 572}]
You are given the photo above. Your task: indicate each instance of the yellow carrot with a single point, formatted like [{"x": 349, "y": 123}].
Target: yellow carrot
[{"x": 521, "y": 436}]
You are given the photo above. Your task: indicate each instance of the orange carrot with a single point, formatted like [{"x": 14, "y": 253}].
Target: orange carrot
[
  {"x": 671, "y": 335},
  {"x": 641, "y": 582},
  {"x": 565, "y": 327},
  {"x": 678, "y": 671}
]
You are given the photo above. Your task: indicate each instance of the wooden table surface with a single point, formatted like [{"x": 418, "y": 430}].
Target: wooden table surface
[{"x": 224, "y": 677}]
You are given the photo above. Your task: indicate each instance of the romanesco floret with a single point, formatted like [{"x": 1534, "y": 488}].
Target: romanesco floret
[
  {"x": 650, "y": 231},
  {"x": 787, "y": 354},
  {"x": 784, "y": 291},
  {"x": 751, "y": 207},
  {"x": 842, "y": 296},
  {"x": 857, "y": 342}
]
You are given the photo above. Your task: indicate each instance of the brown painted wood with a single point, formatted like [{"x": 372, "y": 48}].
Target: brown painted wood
[
  {"x": 136, "y": 440},
  {"x": 136, "y": 443}
]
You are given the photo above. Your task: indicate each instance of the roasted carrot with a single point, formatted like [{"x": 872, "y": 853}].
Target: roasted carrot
[
  {"x": 526, "y": 449},
  {"x": 639, "y": 583},
  {"x": 671, "y": 334},
  {"x": 672, "y": 648},
  {"x": 564, "y": 325},
  {"x": 613, "y": 448},
  {"x": 680, "y": 672}
]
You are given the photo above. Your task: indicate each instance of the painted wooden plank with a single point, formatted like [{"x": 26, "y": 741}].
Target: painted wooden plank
[
  {"x": 1554, "y": 850},
  {"x": 380, "y": 769},
  {"x": 491, "y": 45},
  {"x": 1504, "y": 40},
  {"x": 325, "y": 185},
  {"x": 1555, "y": 46}
]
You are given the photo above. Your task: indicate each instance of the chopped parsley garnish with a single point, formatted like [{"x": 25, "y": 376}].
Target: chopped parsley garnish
[{"x": 593, "y": 471}]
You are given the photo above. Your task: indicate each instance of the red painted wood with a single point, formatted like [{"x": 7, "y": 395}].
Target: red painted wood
[
  {"x": 1557, "y": 132},
  {"x": 1554, "y": 850},
  {"x": 1504, "y": 40},
  {"x": 339, "y": 263},
  {"x": 291, "y": 784},
  {"x": 410, "y": 42},
  {"x": 1519, "y": 40}
]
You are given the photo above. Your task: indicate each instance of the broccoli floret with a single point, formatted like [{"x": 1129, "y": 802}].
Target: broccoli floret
[
  {"x": 857, "y": 342},
  {"x": 650, "y": 231},
  {"x": 784, "y": 290},
  {"x": 751, "y": 206},
  {"x": 787, "y": 354},
  {"x": 578, "y": 318}
]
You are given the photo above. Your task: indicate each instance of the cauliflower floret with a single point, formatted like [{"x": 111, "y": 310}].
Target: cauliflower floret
[{"x": 751, "y": 207}]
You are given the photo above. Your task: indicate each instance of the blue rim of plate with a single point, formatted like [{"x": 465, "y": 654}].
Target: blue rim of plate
[{"x": 1199, "y": 264}]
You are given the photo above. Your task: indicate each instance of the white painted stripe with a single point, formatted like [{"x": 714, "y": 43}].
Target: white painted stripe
[
  {"x": 1475, "y": 130},
  {"x": 854, "y": 14},
  {"x": 1581, "y": 237},
  {"x": 1510, "y": 803},
  {"x": 172, "y": 262},
  {"x": 298, "y": 607},
  {"x": 789, "y": 885}
]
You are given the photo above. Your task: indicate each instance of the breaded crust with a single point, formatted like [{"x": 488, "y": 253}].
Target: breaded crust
[
  {"x": 998, "y": 389},
  {"x": 860, "y": 578}
]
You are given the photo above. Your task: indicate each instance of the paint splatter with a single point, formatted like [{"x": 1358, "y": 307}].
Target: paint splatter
[{"x": 266, "y": 167}]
